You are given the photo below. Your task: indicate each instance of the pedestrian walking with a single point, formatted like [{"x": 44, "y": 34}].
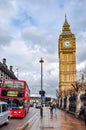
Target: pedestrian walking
[
  {"x": 53, "y": 108},
  {"x": 83, "y": 112}
]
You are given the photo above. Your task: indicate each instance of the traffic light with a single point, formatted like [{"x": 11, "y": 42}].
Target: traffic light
[{"x": 42, "y": 93}]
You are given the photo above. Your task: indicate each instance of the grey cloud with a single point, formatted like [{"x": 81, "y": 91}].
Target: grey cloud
[
  {"x": 50, "y": 86},
  {"x": 81, "y": 45},
  {"x": 33, "y": 36},
  {"x": 5, "y": 37}
]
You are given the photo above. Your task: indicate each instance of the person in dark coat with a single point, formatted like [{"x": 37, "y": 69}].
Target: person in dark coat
[
  {"x": 53, "y": 108},
  {"x": 83, "y": 112}
]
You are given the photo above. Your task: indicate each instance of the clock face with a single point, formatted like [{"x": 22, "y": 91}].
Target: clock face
[{"x": 67, "y": 43}]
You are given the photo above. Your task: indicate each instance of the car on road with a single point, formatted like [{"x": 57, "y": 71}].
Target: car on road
[
  {"x": 4, "y": 113},
  {"x": 38, "y": 105}
]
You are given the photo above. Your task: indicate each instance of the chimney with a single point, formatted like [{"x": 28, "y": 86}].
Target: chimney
[
  {"x": 11, "y": 68},
  {"x": 4, "y": 61}
]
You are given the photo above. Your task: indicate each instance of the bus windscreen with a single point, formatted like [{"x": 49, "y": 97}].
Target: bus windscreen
[{"x": 13, "y": 84}]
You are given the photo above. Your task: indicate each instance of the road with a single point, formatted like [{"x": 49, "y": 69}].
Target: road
[
  {"x": 62, "y": 121},
  {"x": 15, "y": 124}
]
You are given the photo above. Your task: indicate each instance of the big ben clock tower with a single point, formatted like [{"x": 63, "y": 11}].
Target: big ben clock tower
[{"x": 67, "y": 58}]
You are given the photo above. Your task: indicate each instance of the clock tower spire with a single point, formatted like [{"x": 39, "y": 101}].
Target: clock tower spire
[
  {"x": 66, "y": 27},
  {"x": 67, "y": 58}
]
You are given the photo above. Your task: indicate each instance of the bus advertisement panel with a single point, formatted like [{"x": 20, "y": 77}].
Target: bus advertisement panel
[{"x": 17, "y": 94}]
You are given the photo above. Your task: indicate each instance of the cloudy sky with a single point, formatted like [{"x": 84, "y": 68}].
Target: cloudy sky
[{"x": 29, "y": 30}]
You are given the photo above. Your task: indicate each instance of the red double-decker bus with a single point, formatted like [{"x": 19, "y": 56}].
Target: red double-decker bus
[{"x": 17, "y": 94}]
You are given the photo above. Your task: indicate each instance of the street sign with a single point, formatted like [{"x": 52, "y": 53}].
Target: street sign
[{"x": 43, "y": 98}]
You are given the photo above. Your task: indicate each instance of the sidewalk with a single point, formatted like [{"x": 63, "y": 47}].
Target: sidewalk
[{"x": 63, "y": 121}]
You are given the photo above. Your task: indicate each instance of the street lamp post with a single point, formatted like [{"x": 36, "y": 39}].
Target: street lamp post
[{"x": 41, "y": 109}]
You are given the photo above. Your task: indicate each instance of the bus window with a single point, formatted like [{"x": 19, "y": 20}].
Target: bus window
[{"x": 4, "y": 107}]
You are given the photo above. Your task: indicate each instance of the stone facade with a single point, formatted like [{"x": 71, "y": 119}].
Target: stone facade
[{"x": 6, "y": 73}]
